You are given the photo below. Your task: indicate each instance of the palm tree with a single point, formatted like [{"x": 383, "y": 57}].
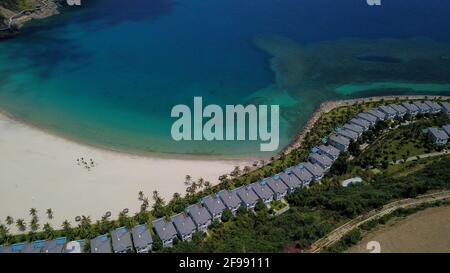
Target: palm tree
[
  {"x": 187, "y": 180},
  {"x": 9, "y": 220},
  {"x": 21, "y": 225},
  {"x": 66, "y": 227},
  {"x": 49, "y": 231},
  {"x": 145, "y": 204},
  {"x": 33, "y": 212},
  {"x": 34, "y": 224},
  {"x": 50, "y": 214},
  {"x": 207, "y": 184},
  {"x": 176, "y": 196},
  {"x": 141, "y": 195},
  {"x": 201, "y": 183},
  {"x": 4, "y": 232}
]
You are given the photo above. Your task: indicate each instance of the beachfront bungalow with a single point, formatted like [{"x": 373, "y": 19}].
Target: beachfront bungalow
[
  {"x": 75, "y": 246},
  {"x": 248, "y": 196},
  {"x": 15, "y": 248},
  {"x": 446, "y": 129},
  {"x": 100, "y": 244},
  {"x": 322, "y": 160},
  {"x": 302, "y": 174},
  {"x": 329, "y": 151},
  {"x": 278, "y": 188},
  {"x": 412, "y": 109},
  {"x": 214, "y": 205},
  {"x": 316, "y": 171},
  {"x": 289, "y": 179},
  {"x": 435, "y": 108},
  {"x": 367, "y": 117},
  {"x": 438, "y": 136},
  {"x": 165, "y": 230},
  {"x": 184, "y": 226},
  {"x": 230, "y": 199},
  {"x": 201, "y": 217},
  {"x": 350, "y": 135},
  {"x": 378, "y": 114},
  {"x": 423, "y": 108},
  {"x": 445, "y": 106},
  {"x": 142, "y": 239},
  {"x": 35, "y": 247},
  {"x": 400, "y": 111},
  {"x": 340, "y": 143},
  {"x": 55, "y": 246},
  {"x": 388, "y": 111},
  {"x": 263, "y": 191},
  {"x": 354, "y": 128},
  {"x": 121, "y": 240},
  {"x": 361, "y": 123}
]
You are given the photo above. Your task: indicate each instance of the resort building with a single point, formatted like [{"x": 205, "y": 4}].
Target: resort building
[
  {"x": 55, "y": 246},
  {"x": 15, "y": 248},
  {"x": 435, "y": 108},
  {"x": 214, "y": 205},
  {"x": 35, "y": 247},
  {"x": 347, "y": 134},
  {"x": 142, "y": 239},
  {"x": 121, "y": 240},
  {"x": 354, "y": 128},
  {"x": 184, "y": 226},
  {"x": 322, "y": 160},
  {"x": 340, "y": 143},
  {"x": 289, "y": 179},
  {"x": 263, "y": 191},
  {"x": 201, "y": 217},
  {"x": 302, "y": 174},
  {"x": 446, "y": 129},
  {"x": 438, "y": 136},
  {"x": 400, "y": 111},
  {"x": 248, "y": 196},
  {"x": 367, "y": 117},
  {"x": 445, "y": 106},
  {"x": 316, "y": 171},
  {"x": 101, "y": 244},
  {"x": 329, "y": 151},
  {"x": 378, "y": 114},
  {"x": 361, "y": 123},
  {"x": 412, "y": 109},
  {"x": 278, "y": 188},
  {"x": 165, "y": 230},
  {"x": 231, "y": 200},
  {"x": 423, "y": 108},
  {"x": 388, "y": 111},
  {"x": 75, "y": 246}
]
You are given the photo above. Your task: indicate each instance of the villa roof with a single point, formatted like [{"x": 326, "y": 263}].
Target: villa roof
[
  {"x": 247, "y": 195},
  {"x": 183, "y": 223},
  {"x": 340, "y": 140},
  {"x": 433, "y": 105},
  {"x": 445, "y": 106},
  {"x": 314, "y": 169},
  {"x": 398, "y": 108},
  {"x": 165, "y": 229},
  {"x": 55, "y": 245},
  {"x": 35, "y": 247},
  {"x": 322, "y": 159},
  {"x": 200, "y": 214},
  {"x": 410, "y": 107},
  {"x": 230, "y": 199},
  {"x": 289, "y": 179},
  {"x": 213, "y": 204},
  {"x": 101, "y": 244},
  {"x": 422, "y": 106},
  {"x": 329, "y": 150},
  {"x": 348, "y": 134},
  {"x": 141, "y": 236},
  {"x": 446, "y": 129},
  {"x": 121, "y": 239},
  {"x": 387, "y": 109},
  {"x": 276, "y": 185},
  {"x": 262, "y": 190},
  {"x": 368, "y": 117},
  {"x": 438, "y": 133},
  {"x": 360, "y": 122},
  {"x": 353, "y": 128},
  {"x": 304, "y": 175},
  {"x": 376, "y": 113}
]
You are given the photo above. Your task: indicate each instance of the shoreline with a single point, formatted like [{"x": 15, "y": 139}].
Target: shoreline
[{"x": 327, "y": 106}]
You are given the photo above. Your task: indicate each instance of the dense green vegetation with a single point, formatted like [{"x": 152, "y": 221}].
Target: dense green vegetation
[{"x": 314, "y": 211}]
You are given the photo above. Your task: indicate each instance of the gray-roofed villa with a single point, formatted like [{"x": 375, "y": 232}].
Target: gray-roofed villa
[
  {"x": 142, "y": 238},
  {"x": 121, "y": 240},
  {"x": 201, "y": 217}
]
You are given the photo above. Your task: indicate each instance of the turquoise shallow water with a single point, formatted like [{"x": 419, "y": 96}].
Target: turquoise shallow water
[{"x": 109, "y": 73}]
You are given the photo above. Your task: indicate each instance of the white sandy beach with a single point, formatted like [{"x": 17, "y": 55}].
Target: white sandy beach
[{"x": 39, "y": 170}]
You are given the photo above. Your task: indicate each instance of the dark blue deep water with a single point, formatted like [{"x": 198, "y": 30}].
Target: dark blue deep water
[{"x": 109, "y": 72}]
